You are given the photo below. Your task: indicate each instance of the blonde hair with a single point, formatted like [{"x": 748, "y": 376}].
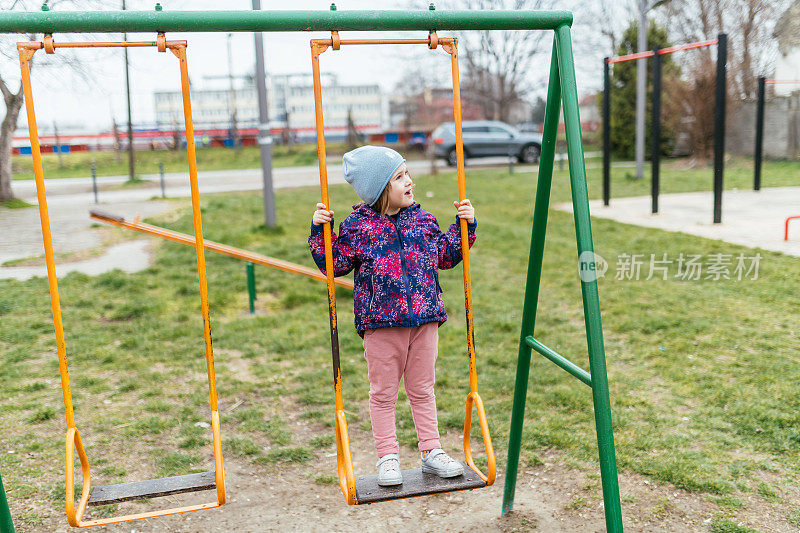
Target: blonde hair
[{"x": 381, "y": 205}]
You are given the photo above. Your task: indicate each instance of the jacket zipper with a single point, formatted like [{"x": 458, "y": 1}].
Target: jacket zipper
[
  {"x": 371, "y": 292},
  {"x": 403, "y": 267}
]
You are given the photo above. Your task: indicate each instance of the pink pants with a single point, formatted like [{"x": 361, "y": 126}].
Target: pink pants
[{"x": 410, "y": 353}]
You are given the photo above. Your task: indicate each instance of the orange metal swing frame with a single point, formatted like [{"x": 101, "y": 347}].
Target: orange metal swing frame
[
  {"x": 73, "y": 439},
  {"x": 347, "y": 481}
]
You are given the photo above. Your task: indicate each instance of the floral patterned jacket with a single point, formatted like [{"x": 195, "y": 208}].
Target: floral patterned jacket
[{"x": 397, "y": 261}]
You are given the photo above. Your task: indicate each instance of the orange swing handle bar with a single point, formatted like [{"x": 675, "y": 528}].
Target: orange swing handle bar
[
  {"x": 344, "y": 460},
  {"x": 73, "y": 440}
]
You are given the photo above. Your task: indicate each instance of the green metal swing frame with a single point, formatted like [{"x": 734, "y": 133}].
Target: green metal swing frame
[
  {"x": 6, "y": 524},
  {"x": 562, "y": 90}
]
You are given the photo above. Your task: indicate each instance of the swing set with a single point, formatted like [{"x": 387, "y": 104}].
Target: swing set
[
  {"x": 562, "y": 89},
  {"x": 105, "y": 495},
  {"x": 416, "y": 483}
]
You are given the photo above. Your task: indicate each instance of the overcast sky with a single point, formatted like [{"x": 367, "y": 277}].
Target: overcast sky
[{"x": 71, "y": 99}]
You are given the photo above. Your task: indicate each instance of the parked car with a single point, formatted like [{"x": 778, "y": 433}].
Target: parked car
[{"x": 486, "y": 138}]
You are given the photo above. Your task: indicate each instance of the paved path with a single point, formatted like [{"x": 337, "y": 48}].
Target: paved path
[
  {"x": 130, "y": 256},
  {"x": 70, "y": 199},
  {"x": 750, "y": 218}
]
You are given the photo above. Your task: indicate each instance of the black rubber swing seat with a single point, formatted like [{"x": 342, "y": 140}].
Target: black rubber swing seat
[
  {"x": 152, "y": 488},
  {"x": 415, "y": 483}
]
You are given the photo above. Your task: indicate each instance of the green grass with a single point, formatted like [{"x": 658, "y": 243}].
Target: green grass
[
  {"x": 15, "y": 203},
  {"x": 794, "y": 517},
  {"x": 728, "y": 501},
  {"x": 768, "y": 493},
  {"x": 299, "y": 454},
  {"x": 239, "y": 446},
  {"x": 43, "y": 414},
  {"x": 703, "y": 374},
  {"x": 176, "y": 463},
  {"x": 322, "y": 441},
  {"x": 725, "y": 525}
]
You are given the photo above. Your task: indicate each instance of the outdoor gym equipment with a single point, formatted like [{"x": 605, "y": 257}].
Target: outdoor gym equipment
[
  {"x": 415, "y": 483},
  {"x": 213, "y": 480},
  {"x": 786, "y": 226},
  {"x": 212, "y": 246},
  {"x": 758, "y": 153},
  {"x": 562, "y": 87},
  {"x": 721, "y": 43},
  {"x": 6, "y": 524}
]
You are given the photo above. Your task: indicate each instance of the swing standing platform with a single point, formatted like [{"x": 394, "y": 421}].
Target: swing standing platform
[
  {"x": 415, "y": 483},
  {"x": 104, "y": 495}
]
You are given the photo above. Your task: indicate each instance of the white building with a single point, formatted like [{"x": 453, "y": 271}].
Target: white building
[
  {"x": 787, "y": 65},
  {"x": 289, "y": 96}
]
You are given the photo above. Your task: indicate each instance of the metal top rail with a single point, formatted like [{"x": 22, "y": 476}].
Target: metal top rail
[
  {"x": 662, "y": 51},
  {"x": 251, "y": 21}
]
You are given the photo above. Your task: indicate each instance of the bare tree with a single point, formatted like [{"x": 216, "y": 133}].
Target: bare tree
[
  {"x": 498, "y": 63},
  {"x": 13, "y": 101},
  {"x": 749, "y": 25},
  {"x": 599, "y": 25},
  {"x": 12, "y": 93}
]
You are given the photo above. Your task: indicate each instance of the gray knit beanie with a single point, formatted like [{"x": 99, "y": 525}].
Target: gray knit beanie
[{"x": 369, "y": 168}]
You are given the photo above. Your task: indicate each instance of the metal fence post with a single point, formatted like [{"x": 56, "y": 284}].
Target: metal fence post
[
  {"x": 606, "y": 131},
  {"x": 719, "y": 124},
  {"x": 161, "y": 174},
  {"x": 655, "y": 133},
  {"x": 759, "y": 151},
  {"x": 251, "y": 286},
  {"x": 94, "y": 181}
]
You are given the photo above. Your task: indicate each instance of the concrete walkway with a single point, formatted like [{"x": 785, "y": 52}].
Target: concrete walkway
[
  {"x": 750, "y": 218},
  {"x": 70, "y": 199},
  {"x": 130, "y": 256}
]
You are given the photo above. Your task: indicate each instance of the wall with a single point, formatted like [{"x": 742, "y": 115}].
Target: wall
[{"x": 781, "y": 128}]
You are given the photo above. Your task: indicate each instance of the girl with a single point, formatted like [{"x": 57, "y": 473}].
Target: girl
[{"x": 396, "y": 249}]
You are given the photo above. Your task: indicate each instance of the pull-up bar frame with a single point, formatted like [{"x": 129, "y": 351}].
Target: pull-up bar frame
[{"x": 721, "y": 42}]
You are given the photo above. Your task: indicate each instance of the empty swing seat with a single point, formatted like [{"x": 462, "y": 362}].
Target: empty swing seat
[
  {"x": 415, "y": 483},
  {"x": 152, "y": 488}
]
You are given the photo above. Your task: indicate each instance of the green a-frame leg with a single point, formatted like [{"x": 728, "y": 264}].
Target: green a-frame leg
[
  {"x": 6, "y": 525},
  {"x": 562, "y": 88}
]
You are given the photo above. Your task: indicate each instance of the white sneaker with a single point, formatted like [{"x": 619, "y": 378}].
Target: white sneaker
[
  {"x": 389, "y": 470},
  {"x": 439, "y": 463}
]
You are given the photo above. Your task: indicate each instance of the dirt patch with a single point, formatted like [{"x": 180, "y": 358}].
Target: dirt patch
[
  {"x": 235, "y": 364},
  {"x": 550, "y": 497}
]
